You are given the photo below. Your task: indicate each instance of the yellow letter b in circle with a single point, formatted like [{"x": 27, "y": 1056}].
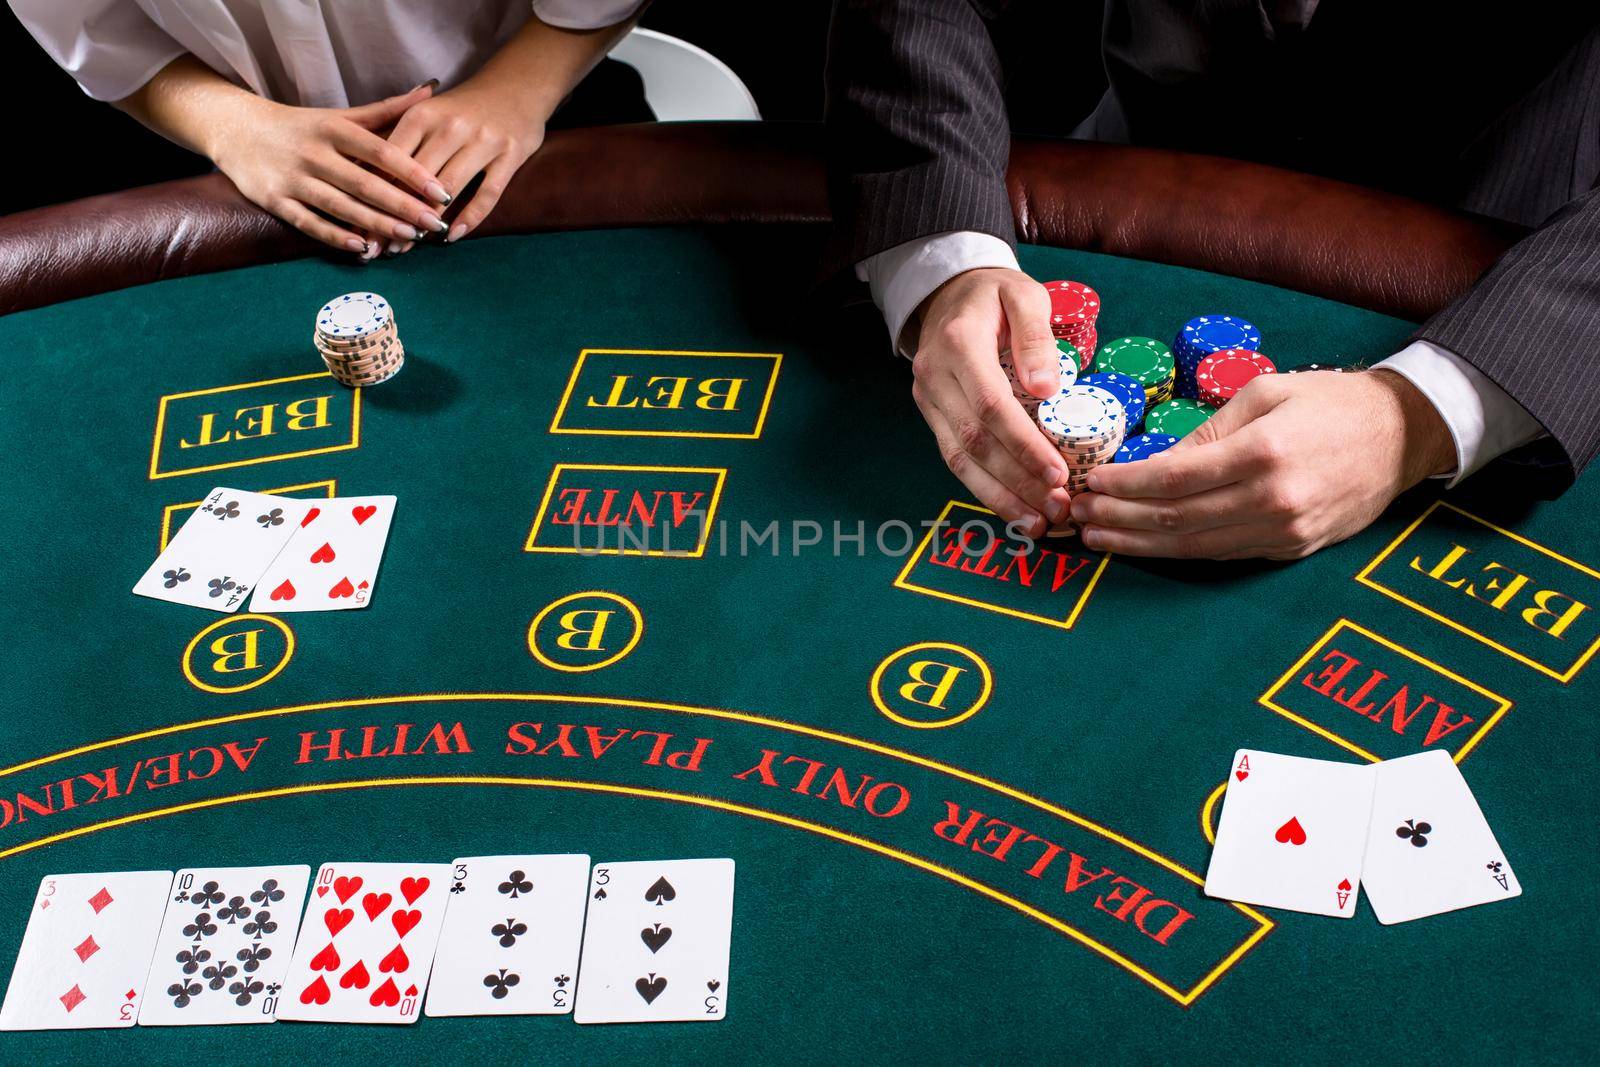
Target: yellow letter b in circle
[
  {"x": 926, "y": 692},
  {"x": 238, "y": 653},
  {"x": 596, "y": 630}
]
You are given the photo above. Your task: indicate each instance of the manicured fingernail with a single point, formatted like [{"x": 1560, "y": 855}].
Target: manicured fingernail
[
  {"x": 373, "y": 249},
  {"x": 355, "y": 244},
  {"x": 433, "y": 222},
  {"x": 407, "y": 233},
  {"x": 1094, "y": 481},
  {"x": 431, "y": 83},
  {"x": 436, "y": 193},
  {"x": 457, "y": 232},
  {"x": 396, "y": 247}
]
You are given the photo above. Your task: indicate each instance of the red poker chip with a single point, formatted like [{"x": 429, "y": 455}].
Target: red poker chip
[
  {"x": 1221, "y": 375},
  {"x": 1072, "y": 302}
]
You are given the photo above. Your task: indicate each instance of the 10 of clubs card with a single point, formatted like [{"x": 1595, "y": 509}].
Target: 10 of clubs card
[
  {"x": 1430, "y": 849},
  {"x": 511, "y": 934},
  {"x": 224, "y": 546},
  {"x": 225, "y": 945},
  {"x": 656, "y": 944},
  {"x": 366, "y": 943},
  {"x": 86, "y": 954},
  {"x": 1293, "y": 833}
]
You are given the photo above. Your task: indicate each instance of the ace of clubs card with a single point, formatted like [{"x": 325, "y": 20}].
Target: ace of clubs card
[{"x": 655, "y": 947}]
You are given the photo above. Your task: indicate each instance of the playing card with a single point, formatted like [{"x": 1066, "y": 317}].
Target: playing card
[
  {"x": 225, "y": 945},
  {"x": 86, "y": 953},
  {"x": 511, "y": 934},
  {"x": 1292, "y": 834},
  {"x": 1429, "y": 849},
  {"x": 655, "y": 947},
  {"x": 331, "y": 562},
  {"x": 226, "y": 544},
  {"x": 366, "y": 943}
]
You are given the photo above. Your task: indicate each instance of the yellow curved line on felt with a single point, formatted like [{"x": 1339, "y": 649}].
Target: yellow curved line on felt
[
  {"x": 1184, "y": 998},
  {"x": 1207, "y": 808},
  {"x": 647, "y": 705}
]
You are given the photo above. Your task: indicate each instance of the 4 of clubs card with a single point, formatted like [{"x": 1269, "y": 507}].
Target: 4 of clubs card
[
  {"x": 86, "y": 953},
  {"x": 366, "y": 943},
  {"x": 656, "y": 944},
  {"x": 225, "y": 945},
  {"x": 1293, "y": 833},
  {"x": 511, "y": 935},
  {"x": 224, "y": 546}
]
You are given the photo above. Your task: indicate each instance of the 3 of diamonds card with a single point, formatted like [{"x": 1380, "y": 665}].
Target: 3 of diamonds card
[
  {"x": 366, "y": 943},
  {"x": 86, "y": 952},
  {"x": 511, "y": 936},
  {"x": 225, "y": 945},
  {"x": 655, "y": 947}
]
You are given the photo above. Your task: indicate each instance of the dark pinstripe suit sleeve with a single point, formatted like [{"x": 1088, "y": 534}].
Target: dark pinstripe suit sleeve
[
  {"x": 917, "y": 130},
  {"x": 1532, "y": 324}
]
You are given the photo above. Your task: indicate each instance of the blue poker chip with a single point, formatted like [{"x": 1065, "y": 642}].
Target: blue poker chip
[
  {"x": 1206, "y": 334},
  {"x": 1125, "y": 388},
  {"x": 1143, "y": 446}
]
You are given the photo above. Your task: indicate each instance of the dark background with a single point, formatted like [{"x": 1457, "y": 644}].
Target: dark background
[{"x": 64, "y": 145}]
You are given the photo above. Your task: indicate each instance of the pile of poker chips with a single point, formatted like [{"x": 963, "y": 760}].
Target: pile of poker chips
[
  {"x": 1205, "y": 335},
  {"x": 1125, "y": 389},
  {"x": 1221, "y": 375},
  {"x": 1178, "y": 417},
  {"x": 1143, "y": 446},
  {"x": 1067, "y": 362},
  {"x": 357, "y": 337},
  {"x": 1145, "y": 360},
  {"x": 1087, "y": 425},
  {"x": 1074, "y": 307}
]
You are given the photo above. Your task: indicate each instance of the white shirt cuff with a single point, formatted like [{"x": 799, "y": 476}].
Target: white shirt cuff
[
  {"x": 1483, "y": 420},
  {"x": 902, "y": 277}
]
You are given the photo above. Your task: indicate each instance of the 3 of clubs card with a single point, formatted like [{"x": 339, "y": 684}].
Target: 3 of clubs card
[
  {"x": 86, "y": 953},
  {"x": 511, "y": 935},
  {"x": 366, "y": 943},
  {"x": 655, "y": 948},
  {"x": 1430, "y": 849},
  {"x": 331, "y": 561},
  {"x": 225, "y": 945},
  {"x": 224, "y": 546},
  {"x": 1292, "y": 835}
]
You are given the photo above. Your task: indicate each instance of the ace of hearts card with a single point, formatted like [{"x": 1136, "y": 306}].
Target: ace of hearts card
[
  {"x": 331, "y": 561},
  {"x": 86, "y": 954},
  {"x": 656, "y": 943},
  {"x": 366, "y": 943},
  {"x": 1293, "y": 833}
]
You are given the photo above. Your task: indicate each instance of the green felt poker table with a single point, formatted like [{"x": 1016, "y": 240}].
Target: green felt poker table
[{"x": 675, "y": 571}]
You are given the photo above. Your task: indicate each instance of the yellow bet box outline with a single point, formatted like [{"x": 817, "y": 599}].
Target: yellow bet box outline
[
  {"x": 903, "y": 579},
  {"x": 1268, "y": 701},
  {"x": 577, "y": 371},
  {"x": 329, "y": 487},
  {"x": 719, "y": 475},
  {"x": 1366, "y": 579},
  {"x": 157, "y": 473}
]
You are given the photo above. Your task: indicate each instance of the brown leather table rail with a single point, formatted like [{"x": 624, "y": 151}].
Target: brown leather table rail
[{"x": 1355, "y": 245}]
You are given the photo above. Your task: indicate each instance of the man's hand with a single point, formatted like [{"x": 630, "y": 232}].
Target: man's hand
[
  {"x": 1293, "y": 463},
  {"x": 985, "y": 436}
]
